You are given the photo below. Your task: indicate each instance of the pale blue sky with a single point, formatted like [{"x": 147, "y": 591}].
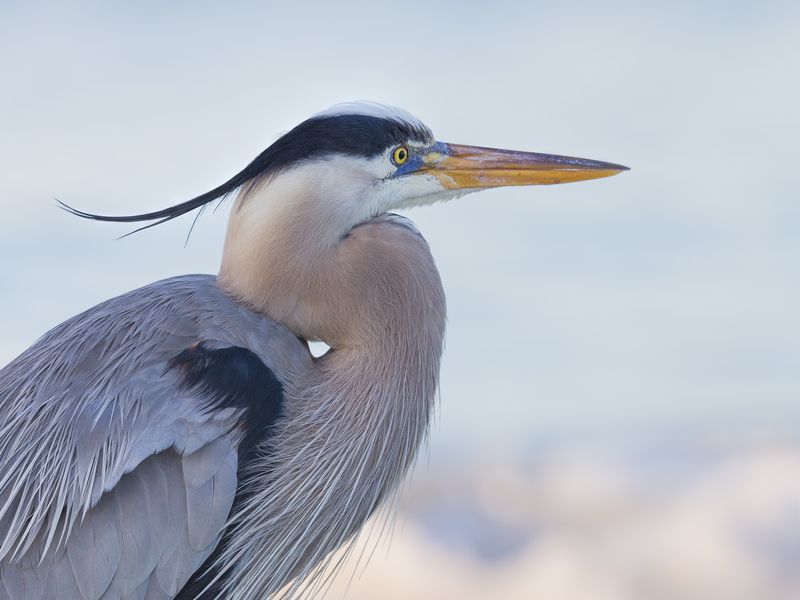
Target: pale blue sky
[{"x": 663, "y": 301}]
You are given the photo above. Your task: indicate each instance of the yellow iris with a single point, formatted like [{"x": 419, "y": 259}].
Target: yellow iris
[{"x": 400, "y": 155}]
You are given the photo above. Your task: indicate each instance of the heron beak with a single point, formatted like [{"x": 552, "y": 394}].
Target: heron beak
[{"x": 469, "y": 167}]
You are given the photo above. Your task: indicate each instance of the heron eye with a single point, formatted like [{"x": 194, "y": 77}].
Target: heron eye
[{"x": 400, "y": 155}]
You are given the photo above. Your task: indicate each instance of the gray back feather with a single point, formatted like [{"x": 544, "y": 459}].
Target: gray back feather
[{"x": 111, "y": 476}]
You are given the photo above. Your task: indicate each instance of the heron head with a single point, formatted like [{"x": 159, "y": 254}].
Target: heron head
[
  {"x": 361, "y": 159},
  {"x": 369, "y": 158}
]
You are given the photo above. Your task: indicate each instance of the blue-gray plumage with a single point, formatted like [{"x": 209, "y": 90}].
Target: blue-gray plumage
[
  {"x": 144, "y": 471},
  {"x": 180, "y": 441}
]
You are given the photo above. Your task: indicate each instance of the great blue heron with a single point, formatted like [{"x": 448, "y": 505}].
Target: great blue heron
[{"x": 181, "y": 441}]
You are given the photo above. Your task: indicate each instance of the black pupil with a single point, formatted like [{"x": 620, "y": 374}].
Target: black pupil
[{"x": 401, "y": 155}]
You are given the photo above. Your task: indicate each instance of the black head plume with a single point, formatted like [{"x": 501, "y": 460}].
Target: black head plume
[
  {"x": 315, "y": 138},
  {"x": 158, "y": 217}
]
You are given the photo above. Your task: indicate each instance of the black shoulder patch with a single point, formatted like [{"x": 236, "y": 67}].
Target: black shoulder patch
[
  {"x": 234, "y": 377},
  {"x": 229, "y": 377}
]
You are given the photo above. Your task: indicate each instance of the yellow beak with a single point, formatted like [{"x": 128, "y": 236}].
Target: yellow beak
[{"x": 470, "y": 167}]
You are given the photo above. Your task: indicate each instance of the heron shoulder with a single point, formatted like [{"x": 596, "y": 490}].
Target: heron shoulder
[
  {"x": 233, "y": 377},
  {"x": 172, "y": 384}
]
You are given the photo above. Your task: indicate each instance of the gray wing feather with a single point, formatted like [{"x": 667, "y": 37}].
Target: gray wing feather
[
  {"x": 114, "y": 482},
  {"x": 94, "y": 552},
  {"x": 210, "y": 478},
  {"x": 111, "y": 555},
  {"x": 23, "y": 582}
]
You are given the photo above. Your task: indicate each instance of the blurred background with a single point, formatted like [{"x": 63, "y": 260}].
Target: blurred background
[{"x": 620, "y": 400}]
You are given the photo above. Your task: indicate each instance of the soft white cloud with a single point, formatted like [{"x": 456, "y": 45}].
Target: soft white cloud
[{"x": 597, "y": 528}]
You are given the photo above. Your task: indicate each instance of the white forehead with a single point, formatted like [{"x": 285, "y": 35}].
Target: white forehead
[{"x": 369, "y": 108}]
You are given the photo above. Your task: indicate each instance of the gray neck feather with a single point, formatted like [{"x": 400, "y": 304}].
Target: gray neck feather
[{"x": 353, "y": 426}]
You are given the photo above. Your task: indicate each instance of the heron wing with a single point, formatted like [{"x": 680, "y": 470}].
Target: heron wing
[{"x": 121, "y": 436}]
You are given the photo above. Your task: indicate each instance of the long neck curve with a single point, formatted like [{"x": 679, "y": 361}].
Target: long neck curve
[{"x": 355, "y": 424}]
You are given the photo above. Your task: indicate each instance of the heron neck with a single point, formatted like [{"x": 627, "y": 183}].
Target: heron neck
[
  {"x": 309, "y": 264},
  {"x": 355, "y": 423},
  {"x": 351, "y": 433}
]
